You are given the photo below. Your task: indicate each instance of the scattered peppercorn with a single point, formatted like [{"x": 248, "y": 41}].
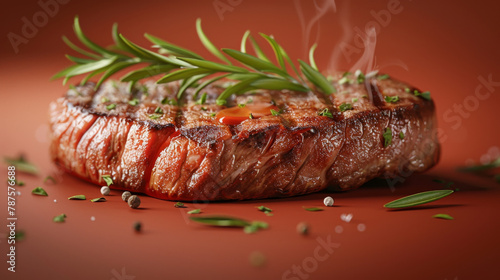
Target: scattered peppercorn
[
  {"x": 328, "y": 201},
  {"x": 105, "y": 190},
  {"x": 137, "y": 226},
  {"x": 125, "y": 196},
  {"x": 134, "y": 201}
]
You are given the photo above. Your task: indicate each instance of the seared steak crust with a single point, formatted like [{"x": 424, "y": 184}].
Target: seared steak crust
[{"x": 185, "y": 153}]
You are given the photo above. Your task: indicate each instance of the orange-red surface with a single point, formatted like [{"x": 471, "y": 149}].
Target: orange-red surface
[{"x": 447, "y": 47}]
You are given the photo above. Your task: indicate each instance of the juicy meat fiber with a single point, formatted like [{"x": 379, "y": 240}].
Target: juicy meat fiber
[{"x": 185, "y": 153}]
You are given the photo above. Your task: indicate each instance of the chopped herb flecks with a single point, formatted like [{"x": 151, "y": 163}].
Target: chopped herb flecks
[
  {"x": 387, "y": 137},
  {"x": 345, "y": 106},
  {"x": 326, "y": 113},
  {"x": 391, "y": 99}
]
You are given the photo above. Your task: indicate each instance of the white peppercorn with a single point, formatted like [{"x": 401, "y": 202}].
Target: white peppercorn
[
  {"x": 105, "y": 190},
  {"x": 125, "y": 196},
  {"x": 134, "y": 201},
  {"x": 328, "y": 201}
]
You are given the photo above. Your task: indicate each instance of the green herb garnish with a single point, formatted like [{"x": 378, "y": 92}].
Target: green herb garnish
[
  {"x": 19, "y": 235},
  {"x": 313, "y": 209},
  {"x": 99, "y": 199},
  {"x": 255, "y": 226},
  {"x": 49, "y": 178},
  {"x": 354, "y": 100},
  {"x": 360, "y": 77},
  {"x": 443, "y": 216},
  {"x": 107, "y": 179},
  {"x": 275, "y": 113},
  {"x": 179, "y": 205},
  {"x": 401, "y": 135},
  {"x": 214, "y": 114},
  {"x": 155, "y": 116},
  {"x": 22, "y": 165},
  {"x": 250, "y": 116},
  {"x": 344, "y": 80},
  {"x": 168, "y": 101},
  {"x": 77, "y": 197},
  {"x": 221, "y": 221},
  {"x": 418, "y": 199},
  {"x": 202, "y": 99},
  {"x": 185, "y": 65},
  {"x": 265, "y": 209},
  {"x": 39, "y": 191},
  {"x": 391, "y": 99},
  {"x": 326, "y": 113},
  {"x": 111, "y": 106},
  {"x": 345, "y": 106},
  {"x": 387, "y": 137},
  {"x": 383, "y": 77},
  {"x": 60, "y": 218},
  {"x": 195, "y": 211},
  {"x": 134, "y": 102},
  {"x": 158, "y": 110},
  {"x": 425, "y": 95},
  {"x": 104, "y": 100}
]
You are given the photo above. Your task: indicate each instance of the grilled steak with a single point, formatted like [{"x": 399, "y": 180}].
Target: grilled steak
[{"x": 193, "y": 151}]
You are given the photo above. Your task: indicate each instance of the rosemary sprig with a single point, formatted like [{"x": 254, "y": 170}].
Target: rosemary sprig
[{"x": 179, "y": 64}]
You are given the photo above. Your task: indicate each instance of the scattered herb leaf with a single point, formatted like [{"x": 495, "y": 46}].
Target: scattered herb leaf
[
  {"x": 22, "y": 165},
  {"x": 313, "y": 209},
  {"x": 77, "y": 197},
  {"x": 195, "y": 211},
  {"x": 250, "y": 116},
  {"x": 443, "y": 216},
  {"x": 265, "y": 209},
  {"x": 418, "y": 198},
  {"x": 39, "y": 191},
  {"x": 49, "y": 178},
  {"x": 401, "y": 135},
  {"x": 255, "y": 226},
  {"x": 19, "y": 235},
  {"x": 111, "y": 106},
  {"x": 60, "y": 218},
  {"x": 221, "y": 221},
  {"x": 99, "y": 199},
  {"x": 179, "y": 205}
]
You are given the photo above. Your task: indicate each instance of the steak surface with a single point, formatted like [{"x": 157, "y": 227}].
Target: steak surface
[{"x": 192, "y": 151}]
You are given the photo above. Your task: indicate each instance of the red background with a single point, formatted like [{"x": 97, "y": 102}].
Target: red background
[{"x": 440, "y": 46}]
